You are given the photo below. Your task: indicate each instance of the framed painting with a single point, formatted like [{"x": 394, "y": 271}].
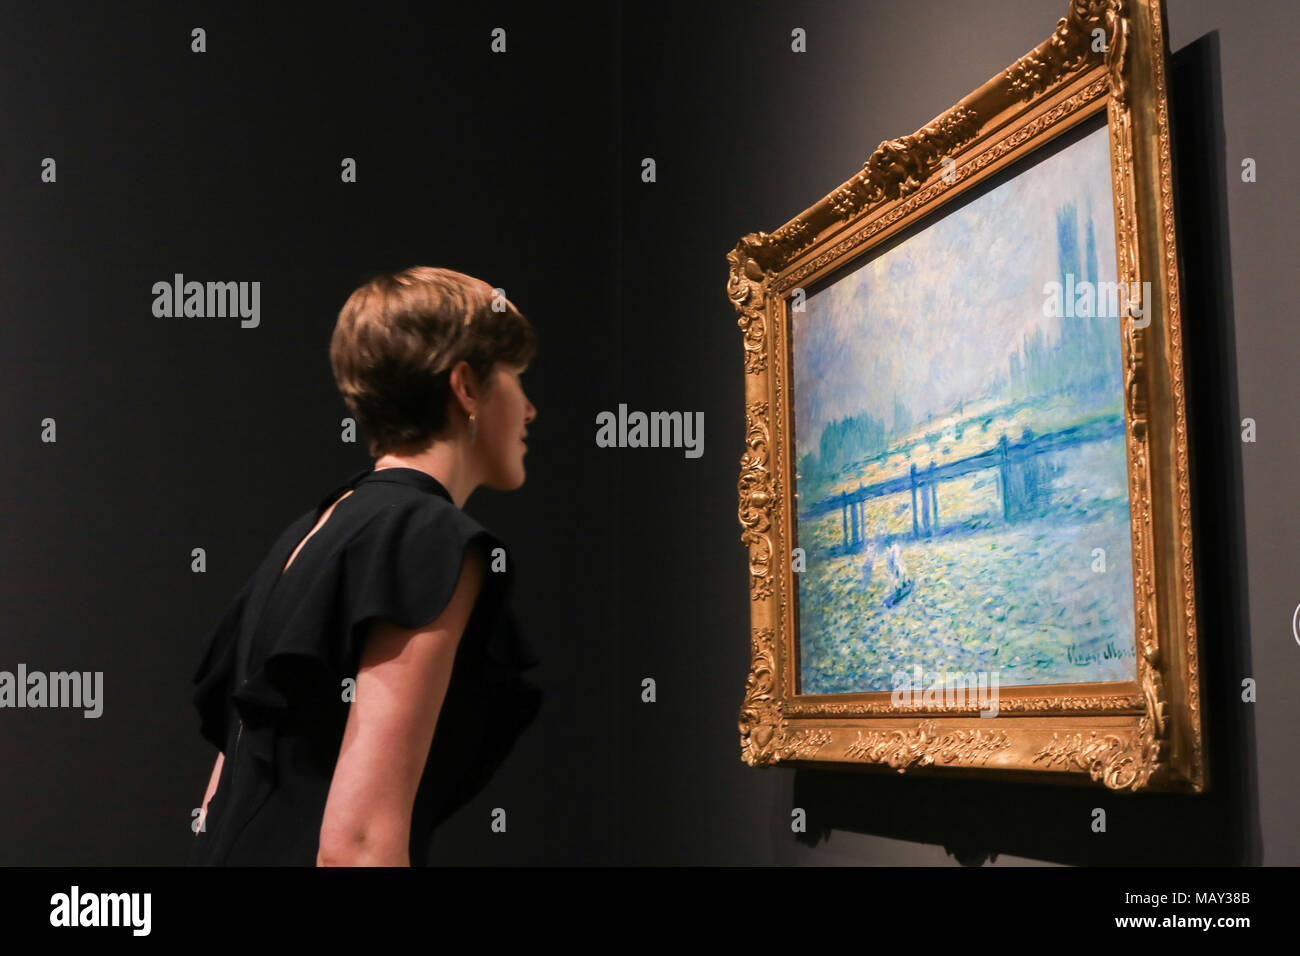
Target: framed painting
[{"x": 964, "y": 489}]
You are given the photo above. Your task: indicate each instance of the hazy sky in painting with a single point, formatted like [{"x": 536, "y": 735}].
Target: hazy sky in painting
[{"x": 936, "y": 318}]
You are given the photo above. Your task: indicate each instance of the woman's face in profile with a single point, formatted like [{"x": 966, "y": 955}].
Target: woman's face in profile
[{"x": 503, "y": 417}]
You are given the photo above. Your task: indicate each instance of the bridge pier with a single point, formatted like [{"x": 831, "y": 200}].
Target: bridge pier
[
  {"x": 925, "y": 509},
  {"x": 1005, "y": 471},
  {"x": 934, "y": 500},
  {"x": 916, "y": 531}
]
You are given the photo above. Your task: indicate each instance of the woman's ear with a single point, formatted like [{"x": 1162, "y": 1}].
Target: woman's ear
[{"x": 463, "y": 384}]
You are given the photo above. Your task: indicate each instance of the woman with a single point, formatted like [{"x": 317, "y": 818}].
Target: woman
[{"x": 380, "y": 615}]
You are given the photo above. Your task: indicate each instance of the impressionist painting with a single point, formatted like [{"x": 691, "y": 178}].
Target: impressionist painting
[{"x": 961, "y": 469}]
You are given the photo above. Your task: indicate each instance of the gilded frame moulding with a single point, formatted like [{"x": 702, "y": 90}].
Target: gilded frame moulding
[{"x": 1104, "y": 56}]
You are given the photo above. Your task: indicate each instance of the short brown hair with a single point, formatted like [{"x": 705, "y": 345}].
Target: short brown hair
[{"x": 397, "y": 339}]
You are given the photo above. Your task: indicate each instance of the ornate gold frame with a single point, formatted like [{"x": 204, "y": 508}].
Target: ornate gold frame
[{"x": 1127, "y": 736}]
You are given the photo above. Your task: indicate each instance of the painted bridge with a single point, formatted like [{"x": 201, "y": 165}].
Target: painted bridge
[{"x": 1021, "y": 479}]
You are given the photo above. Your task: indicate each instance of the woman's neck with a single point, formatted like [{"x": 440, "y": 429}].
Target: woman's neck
[{"x": 445, "y": 461}]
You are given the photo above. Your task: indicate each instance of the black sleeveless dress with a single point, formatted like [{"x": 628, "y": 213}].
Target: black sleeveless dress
[{"x": 273, "y": 683}]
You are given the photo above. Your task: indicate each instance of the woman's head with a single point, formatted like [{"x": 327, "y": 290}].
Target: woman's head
[{"x": 415, "y": 353}]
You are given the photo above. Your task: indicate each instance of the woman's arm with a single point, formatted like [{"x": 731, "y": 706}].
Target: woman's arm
[
  {"x": 212, "y": 788},
  {"x": 401, "y": 685}
]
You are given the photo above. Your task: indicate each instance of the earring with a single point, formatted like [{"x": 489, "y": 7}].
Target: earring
[{"x": 473, "y": 427}]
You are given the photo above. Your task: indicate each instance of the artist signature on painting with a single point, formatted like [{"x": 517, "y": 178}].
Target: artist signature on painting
[{"x": 1109, "y": 653}]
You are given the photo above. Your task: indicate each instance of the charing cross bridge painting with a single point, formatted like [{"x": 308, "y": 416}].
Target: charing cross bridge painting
[{"x": 961, "y": 466}]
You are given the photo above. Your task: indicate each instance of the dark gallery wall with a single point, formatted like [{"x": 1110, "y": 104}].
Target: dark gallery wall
[
  {"x": 177, "y": 433},
  {"x": 746, "y": 135},
  {"x": 524, "y": 168}
]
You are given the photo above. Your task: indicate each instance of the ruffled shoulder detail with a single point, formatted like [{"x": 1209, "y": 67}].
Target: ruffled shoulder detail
[
  {"x": 403, "y": 565},
  {"x": 213, "y": 678}
]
